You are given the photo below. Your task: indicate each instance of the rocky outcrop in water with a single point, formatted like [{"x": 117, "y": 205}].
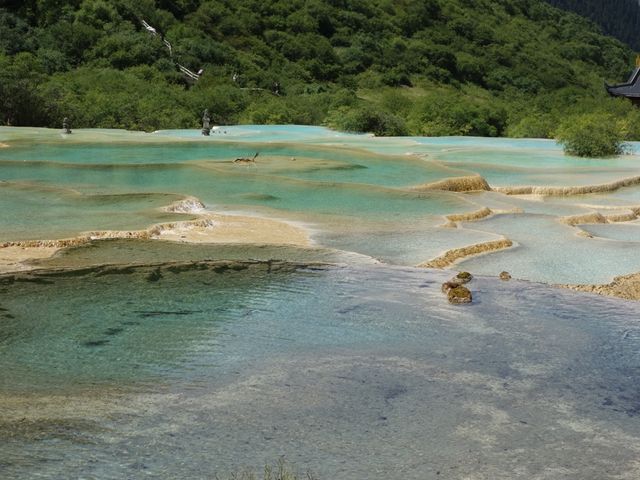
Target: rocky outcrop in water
[
  {"x": 62, "y": 243},
  {"x": 451, "y": 256},
  {"x": 163, "y": 227},
  {"x": 109, "y": 235},
  {"x": 624, "y": 286},
  {"x": 186, "y": 205},
  {"x": 471, "y": 216},
  {"x": 594, "y": 217},
  {"x": 505, "y": 276},
  {"x": 463, "y": 277},
  {"x": 564, "y": 191},
  {"x": 622, "y": 217},
  {"x": 446, "y": 286},
  {"x": 471, "y": 183},
  {"x": 597, "y": 217},
  {"x": 455, "y": 291},
  {"x": 459, "y": 295}
]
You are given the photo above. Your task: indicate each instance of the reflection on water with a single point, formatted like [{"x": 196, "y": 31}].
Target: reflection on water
[{"x": 355, "y": 372}]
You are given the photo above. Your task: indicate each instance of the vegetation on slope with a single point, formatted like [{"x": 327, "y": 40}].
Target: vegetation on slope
[
  {"x": 618, "y": 18},
  {"x": 427, "y": 67}
]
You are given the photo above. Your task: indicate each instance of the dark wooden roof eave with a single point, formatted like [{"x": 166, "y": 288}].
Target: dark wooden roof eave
[
  {"x": 612, "y": 90},
  {"x": 629, "y": 89}
]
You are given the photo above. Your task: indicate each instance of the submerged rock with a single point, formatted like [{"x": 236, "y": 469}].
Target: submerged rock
[
  {"x": 459, "y": 295},
  {"x": 505, "y": 276},
  {"x": 154, "y": 275}
]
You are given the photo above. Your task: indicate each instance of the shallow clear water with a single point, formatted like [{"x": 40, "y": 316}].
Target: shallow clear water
[
  {"x": 353, "y": 372},
  {"x": 628, "y": 232},
  {"x": 288, "y": 180},
  {"x": 401, "y": 244},
  {"x": 132, "y": 359},
  {"x": 145, "y": 252},
  {"x": 32, "y": 212},
  {"x": 353, "y": 191},
  {"x": 557, "y": 255}
]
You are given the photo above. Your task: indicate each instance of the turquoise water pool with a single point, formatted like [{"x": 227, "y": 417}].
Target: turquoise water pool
[
  {"x": 354, "y": 192},
  {"x": 363, "y": 372},
  {"x": 289, "y": 180},
  {"x": 154, "y": 359}
]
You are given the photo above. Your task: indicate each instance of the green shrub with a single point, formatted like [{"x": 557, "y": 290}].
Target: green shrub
[
  {"x": 592, "y": 135},
  {"x": 367, "y": 119}
]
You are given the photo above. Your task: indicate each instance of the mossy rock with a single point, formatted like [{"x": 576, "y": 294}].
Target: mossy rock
[
  {"x": 446, "y": 286},
  {"x": 463, "y": 277},
  {"x": 505, "y": 276},
  {"x": 459, "y": 295}
]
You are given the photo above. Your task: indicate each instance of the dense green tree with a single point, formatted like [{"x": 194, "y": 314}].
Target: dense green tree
[
  {"x": 619, "y": 18},
  {"x": 19, "y": 100},
  {"x": 429, "y": 67}
]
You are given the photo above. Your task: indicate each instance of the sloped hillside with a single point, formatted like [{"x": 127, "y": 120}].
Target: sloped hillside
[
  {"x": 430, "y": 67},
  {"x": 618, "y": 18}
]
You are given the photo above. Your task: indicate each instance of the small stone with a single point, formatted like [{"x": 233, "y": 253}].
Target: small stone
[
  {"x": 459, "y": 295},
  {"x": 464, "y": 277},
  {"x": 446, "y": 286},
  {"x": 505, "y": 276}
]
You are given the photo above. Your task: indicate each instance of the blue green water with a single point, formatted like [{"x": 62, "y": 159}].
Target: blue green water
[
  {"x": 558, "y": 255},
  {"x": 289, "y": 179},
  {"x": 354, "y": 372},
  {"x": 151, "y": 359},
  {"x": 32, "y": 212},
  {"x": 353, "y": 191}
]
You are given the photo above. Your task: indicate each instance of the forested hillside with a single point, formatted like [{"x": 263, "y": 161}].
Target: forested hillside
[
  {"x": 618, "y": 18},
  {"x": 430, "y": 67}
]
